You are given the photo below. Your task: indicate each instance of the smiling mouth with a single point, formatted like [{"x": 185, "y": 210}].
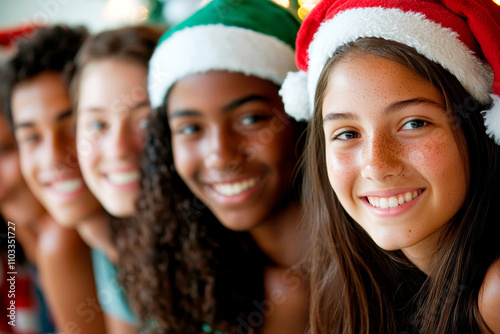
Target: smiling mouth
[
  {"x": 235, "y": 188},
  {"x": 122, "y": 178},
  {"x": 393, "y": 201},
  {"x": 67, "y": 186}
]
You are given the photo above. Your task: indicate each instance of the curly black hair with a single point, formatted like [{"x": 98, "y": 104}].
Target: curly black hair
[
  {"x": 183, "y": 270},
  {"x": 49, "y": 49}
]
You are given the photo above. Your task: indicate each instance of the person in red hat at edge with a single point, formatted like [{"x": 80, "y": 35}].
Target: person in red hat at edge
[{"x": 401, "y": 169}]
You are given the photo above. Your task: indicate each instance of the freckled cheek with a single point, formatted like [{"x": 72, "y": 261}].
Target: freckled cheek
[
  {"x": 437, "y": 159},
  {"x": 341, "y": 169}
]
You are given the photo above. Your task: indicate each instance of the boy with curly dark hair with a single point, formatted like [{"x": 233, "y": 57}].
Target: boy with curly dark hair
[{"x": 39, "y": 110}]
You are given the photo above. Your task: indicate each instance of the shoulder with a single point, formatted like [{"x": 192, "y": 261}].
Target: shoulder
[
  {"x": 56, "y": 241},
  {"x": 489, "y": 297},
  {"x": 286, "y": 301}
]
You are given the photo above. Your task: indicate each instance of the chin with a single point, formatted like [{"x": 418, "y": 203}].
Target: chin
[
  {"x": 120, "y": 212},
  {"x": 70, "y": 218},
  {"x": 64, "y": 220},
  {"x": 389, "y": 244},
  {"x": 237, "y": 225}
]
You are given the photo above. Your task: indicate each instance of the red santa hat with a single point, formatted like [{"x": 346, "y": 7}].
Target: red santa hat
[
  {"x": 9, "y": 36},
  {"x": 463, "y": 36}
]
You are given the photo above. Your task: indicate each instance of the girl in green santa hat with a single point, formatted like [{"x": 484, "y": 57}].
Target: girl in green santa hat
[{"x": 214, "y": 245}]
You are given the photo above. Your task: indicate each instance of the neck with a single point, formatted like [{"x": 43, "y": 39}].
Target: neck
[
  {"x": 422, "y": 254},
  {"x": 96, "y": 232},
  {"x": 278, "y": 236}
]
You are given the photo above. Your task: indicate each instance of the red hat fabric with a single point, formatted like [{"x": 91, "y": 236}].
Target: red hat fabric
[
  {"x": 463, "y": 36},
  {"x": 9, "y": 36}
]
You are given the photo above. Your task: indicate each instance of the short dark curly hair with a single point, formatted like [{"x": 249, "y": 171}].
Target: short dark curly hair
[{"x": 49, "y": 49}]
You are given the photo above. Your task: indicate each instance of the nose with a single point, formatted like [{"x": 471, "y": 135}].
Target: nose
[
  {"x": 122, "y": 141},
  {"x": 222, "y": 151},
  {"x": 58, "y": 153},
  {"x": 381, "y": 158}
]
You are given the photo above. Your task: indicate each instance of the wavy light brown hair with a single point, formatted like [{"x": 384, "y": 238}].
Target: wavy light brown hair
[
  {"x": 356, "y": 287},
  {"x": 134, "y": 44}
]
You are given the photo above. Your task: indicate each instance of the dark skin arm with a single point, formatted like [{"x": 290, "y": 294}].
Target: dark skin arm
[{"x": 67, "y": 280}]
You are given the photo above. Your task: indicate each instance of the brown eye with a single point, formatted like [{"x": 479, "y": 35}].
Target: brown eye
[{"x": 252, "y": 119}]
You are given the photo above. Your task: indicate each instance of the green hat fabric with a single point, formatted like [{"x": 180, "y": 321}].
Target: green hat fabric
[{"x": 254, "y": 37}]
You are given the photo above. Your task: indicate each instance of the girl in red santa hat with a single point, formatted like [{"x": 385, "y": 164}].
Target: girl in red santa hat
[{"x": 401, "y": 165}]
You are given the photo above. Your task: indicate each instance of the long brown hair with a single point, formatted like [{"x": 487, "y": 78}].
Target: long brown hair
[{"x": 356, "y": 287}]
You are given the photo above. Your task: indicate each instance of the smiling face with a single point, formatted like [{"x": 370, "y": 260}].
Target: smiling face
[
  {"x": 392, "y": 157},
  {"x": 112, "y": 107},
  {"x": 45, "y": 133},
  {"x": 233, "y": 145}
]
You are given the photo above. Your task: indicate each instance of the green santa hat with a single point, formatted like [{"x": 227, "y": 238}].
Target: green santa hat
[{"x": 254, "y": 37}]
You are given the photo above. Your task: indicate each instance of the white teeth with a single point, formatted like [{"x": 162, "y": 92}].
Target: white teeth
[
  {"x": 393, "y": 201},
  {"x": 67, "y": 186},
  {"x": 231, "y": 189},
  {"x": 124, "y": 177}
]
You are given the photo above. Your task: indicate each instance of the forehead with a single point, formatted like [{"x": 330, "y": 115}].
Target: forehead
[
  {"x": 108, "y": 80},
  {"x": 215, "y": 89},
  {"x": 373, "y": 81},
  {"x": 41, "y": 98}
]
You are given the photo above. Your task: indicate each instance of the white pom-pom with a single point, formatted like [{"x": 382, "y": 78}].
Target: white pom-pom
[
  {"x": 295, "y": 97},
  {"x": 492, "y": 119}
]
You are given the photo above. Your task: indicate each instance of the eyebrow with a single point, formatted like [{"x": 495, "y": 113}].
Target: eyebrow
[
  {"x": 60, "y": 117},
  {"x": 228, "y": 107},
  {"x": 65, "y": 114},
  {"x": 239, "y": 102},
  {"x": 141, "y": 104},
  {"x": 134, "y": 107},
  {"x": 392, "y": 108}
]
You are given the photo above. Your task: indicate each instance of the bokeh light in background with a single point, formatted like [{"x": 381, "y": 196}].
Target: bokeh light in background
[
  {"x": 98, "y": 15},
  {"x": 305, "y": 7},
  {"x": 284, "y": 3},
  {"x": 126, "y": 11},
  {"x": 497, "y": 2},
  {"x": 302, "y": 7}
]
